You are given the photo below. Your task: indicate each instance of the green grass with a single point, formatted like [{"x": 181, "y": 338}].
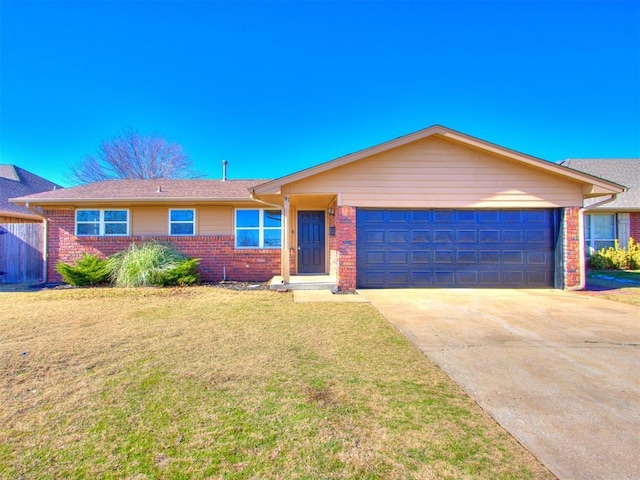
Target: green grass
[
  {"x": 617, "y": 285},
  {"x": 210, "y": 383}
]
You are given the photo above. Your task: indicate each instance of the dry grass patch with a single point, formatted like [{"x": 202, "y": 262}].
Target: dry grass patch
[{"x": 208, "y": 383}]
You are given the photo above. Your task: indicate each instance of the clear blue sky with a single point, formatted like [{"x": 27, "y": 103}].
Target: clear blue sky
[{"x": 274, "y": 87}]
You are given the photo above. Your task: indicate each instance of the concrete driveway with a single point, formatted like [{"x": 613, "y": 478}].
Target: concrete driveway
[{"x": 559, "y": 371}]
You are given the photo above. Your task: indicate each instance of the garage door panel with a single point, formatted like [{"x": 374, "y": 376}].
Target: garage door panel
[
  {"x": 443, "y": 236},
  {"x": 421, "y": 279},
  {"x": 442, "y": 216},
  {"x": 420, "y": 236},
  {"x": 467, "y": 236},
  {"x": 468, "y": 279},
  {"x": 443, "y": 256},
  {"x": 455, "y": 248},
  {"x": 466, "y": 256},
  {"x": 398, "y": 257},
  {"x": 489, "y": 236}
]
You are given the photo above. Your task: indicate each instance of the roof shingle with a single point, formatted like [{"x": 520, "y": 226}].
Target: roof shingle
[
  {"x": 625, "y": 171},
  {"x": 148, "y": 190},
  {"x": 18, "y": 182}
]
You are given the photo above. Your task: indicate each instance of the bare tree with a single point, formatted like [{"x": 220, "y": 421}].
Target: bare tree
[{"x": 132, "y": 155}]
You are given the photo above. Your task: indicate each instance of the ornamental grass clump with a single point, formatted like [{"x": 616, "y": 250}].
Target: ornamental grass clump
[{"x": 152, "y": 264}]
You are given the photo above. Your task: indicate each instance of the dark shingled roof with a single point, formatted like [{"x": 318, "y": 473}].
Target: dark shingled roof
[
  {"x": 625, "y": 171},
  {"x": 17, "y": 182},
  {"x": 149, "y": 190}
]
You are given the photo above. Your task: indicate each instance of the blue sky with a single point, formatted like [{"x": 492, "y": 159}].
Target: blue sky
[{"x": 275, "y": 87}]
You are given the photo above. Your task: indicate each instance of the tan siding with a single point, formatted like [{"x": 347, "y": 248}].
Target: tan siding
[
  {"x": 215, "y": 220},
  {"x": 212, "y": 220},
  {"x": 149, "y": 220},
  {"x": 438, "y": 173}
]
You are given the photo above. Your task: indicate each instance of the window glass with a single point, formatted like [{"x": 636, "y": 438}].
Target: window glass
[
  {"x": 247, "y": 218},
  {"x": 102, "y": 222},
  {"x": 599, "y": 231},
  {"x": 182, "y": 215},
  {"x": 115, "y": 215},
  {"x": 272, "y": 218},
  {"x": 88, "y": 229},
  {"x": 587, "y": 227},
  {"x": 272, "y": 238},
  {"x": 248, "y": 238},
  {"x": 88, "y": 215},
  {"x": 115, "y": 228},
  {"x": 182, "y": 222},
  {"x": 258, "y": 228},
  {"x": 603, "y": 226},
  {"x": 182, "y": 229}
]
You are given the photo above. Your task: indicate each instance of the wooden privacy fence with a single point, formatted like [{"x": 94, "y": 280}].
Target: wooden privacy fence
[{"x": 21, "y": 252}]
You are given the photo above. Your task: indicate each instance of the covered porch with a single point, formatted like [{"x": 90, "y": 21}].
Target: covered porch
[{"x": 309, "y": 248}]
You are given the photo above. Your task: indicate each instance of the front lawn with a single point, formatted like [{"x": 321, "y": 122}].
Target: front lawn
[
  {"x": 211, "y": 383},
  {"x": 618, "y": 285}
]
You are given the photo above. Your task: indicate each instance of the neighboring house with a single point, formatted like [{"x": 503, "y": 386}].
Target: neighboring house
[
  {"x": 21, "y": 230},
  {"x": 436, "y": 208},
  {"x": 17, "y": 182},
  {"x": 618, "y": 219}
]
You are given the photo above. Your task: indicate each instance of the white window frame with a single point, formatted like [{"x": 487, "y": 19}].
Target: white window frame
[
  {"x": 180, "y": 222},
  {"x": 102, "y": 223},
  {"x": 261, "y": 229},
  {"x": 589, "y": 239}
]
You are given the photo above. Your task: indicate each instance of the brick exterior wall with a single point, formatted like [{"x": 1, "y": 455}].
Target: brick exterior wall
[
  {"x": 572, "y": 240},
  {"x": 216, "y": 252},
  {"x": 634, "y": 226},
  {"x": 345, "y": 244},
  {"x": 333, "y": 249}
]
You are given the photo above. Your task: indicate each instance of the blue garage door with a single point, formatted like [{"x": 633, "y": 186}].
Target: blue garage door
[{"x": 455, "y": 248}]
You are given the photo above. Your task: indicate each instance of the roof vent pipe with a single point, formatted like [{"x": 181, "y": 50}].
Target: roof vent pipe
[{"x": 224, "y": 170}]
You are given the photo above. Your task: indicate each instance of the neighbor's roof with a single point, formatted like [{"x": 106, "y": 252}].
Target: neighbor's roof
[
  {"x": 625, "y": 171},
  {"x": 17, "y": 182},
  {"x": 597, "y": 186},
  {"x": 124, "y": 191}
]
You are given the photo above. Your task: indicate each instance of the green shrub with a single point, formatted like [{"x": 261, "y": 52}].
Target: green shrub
[
  {"x": 89, "y": 270},
  {"x": 616, "y": 257},
  {"x": 185, "y": 273},
  {"x": 152, "y": 264}
]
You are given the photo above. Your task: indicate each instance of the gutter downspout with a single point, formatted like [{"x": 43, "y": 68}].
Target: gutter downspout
[
  {"x": 583, "y": 260},
  {"x": 285, "y": 270},
  {"x": 45, "y": 241}
]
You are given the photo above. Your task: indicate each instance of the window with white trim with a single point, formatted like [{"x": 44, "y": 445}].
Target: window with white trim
[
  {"x": 258, "y": 228},
  {"x": 182, "y": 221},
  {"x": 599, "y": 231},
  {"x": 102, "y": 222}
]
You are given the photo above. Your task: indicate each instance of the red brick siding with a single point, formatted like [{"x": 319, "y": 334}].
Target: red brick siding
[
  {"x": 572, "y": 240},
  {"x": 333, "y": 249},
  {"x": 345, "y": 242},
  {"x": 634, "y": 226},
  {"x": 217, "y": 252}
]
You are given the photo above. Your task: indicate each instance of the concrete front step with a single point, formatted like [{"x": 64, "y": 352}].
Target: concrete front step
[{"x": 304, "y": 282}]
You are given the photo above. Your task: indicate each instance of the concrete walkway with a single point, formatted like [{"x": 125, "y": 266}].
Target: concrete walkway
[{"x": 559, "y": 371}]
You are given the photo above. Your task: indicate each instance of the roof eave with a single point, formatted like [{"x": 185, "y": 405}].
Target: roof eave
[
  {"x": 61, "y": 201},
  {"x": 28, "y": 216}
]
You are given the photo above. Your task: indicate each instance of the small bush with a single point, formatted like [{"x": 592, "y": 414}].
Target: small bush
[
  {"x": 616, "y": 257},
  {"x": 185, "y": 273},
  {"x": 152, "y": 264},
  {"x": 89, "y": 270}
]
